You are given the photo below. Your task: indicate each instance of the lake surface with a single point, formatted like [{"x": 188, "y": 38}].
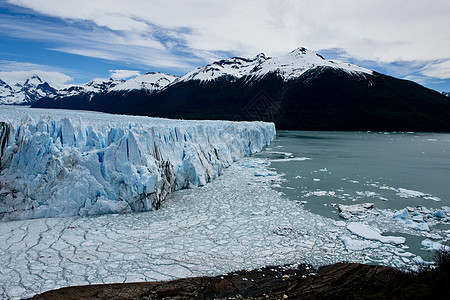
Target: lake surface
[
  {"x": 347, "y": 163},
  {"x": 331, "y": 168}
]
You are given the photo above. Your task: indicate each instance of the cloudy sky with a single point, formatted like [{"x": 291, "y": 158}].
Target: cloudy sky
[{"x": 73, "y": 41}]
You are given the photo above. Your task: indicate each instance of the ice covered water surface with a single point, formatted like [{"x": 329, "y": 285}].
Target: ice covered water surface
[
  {"x": 64, "y": 163},
  {"x": 236, "y": 222},
  {"x": 386, "y": 186}
]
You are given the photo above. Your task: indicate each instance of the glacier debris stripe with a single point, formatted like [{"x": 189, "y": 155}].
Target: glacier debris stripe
[{"x": 63, "y": 163}]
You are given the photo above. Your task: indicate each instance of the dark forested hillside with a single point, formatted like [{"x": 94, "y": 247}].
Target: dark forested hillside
[{"x": 322, "y": 98}]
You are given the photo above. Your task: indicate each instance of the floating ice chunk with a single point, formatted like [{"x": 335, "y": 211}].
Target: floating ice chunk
[
  {"x": 320, "y": 194},
  {"x": 356, "y": 208},
  {"x": 416, "y": 222},
  {"x": 439, "y": 214},
  {"x": 345, "y": 215},
  {"x": 417, "y": 226},
  {"x": 419, "y": 260},
  {"x": 255, "y": 163},
  {"x": 286, "y": 154},
  {"x": 446, "y": 208},
  {"x": 291, "y": 159},
  {"x": 372, "y": 233},
  {"x": 405, "y": 193},
  {"x": 402, "y": 214},
  {"x": 349, "y": 211},
  {"x": 357, "y": 245},
  {"x": 417, "y": 218},
  {"x": 340, "y": 223},
  {"x": 434, "y": 246},
  {"x": 367, "y": 194},
  {"x": 264, "y": 173}
]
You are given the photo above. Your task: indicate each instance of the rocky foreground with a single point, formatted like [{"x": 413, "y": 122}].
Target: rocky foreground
[{"x": 342, "y": 280}]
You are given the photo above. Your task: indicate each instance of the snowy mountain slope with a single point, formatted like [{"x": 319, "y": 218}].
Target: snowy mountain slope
[
  {"x": 34, "y": 88},
  {"x": 5, "y": 89},
  {"x": 446, "y": 94},
  {"x": 289, "y": 66},
  {"x": 95, "y": 86},
  {"x": 25, "y": 93},
  {"x": 298, "y": 91},
  {"x": 151, "y": 82},
  {"x": 64, "y": 163}
]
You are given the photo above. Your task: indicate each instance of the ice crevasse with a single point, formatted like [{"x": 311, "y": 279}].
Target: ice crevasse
[{"x": 57, "y": 163}]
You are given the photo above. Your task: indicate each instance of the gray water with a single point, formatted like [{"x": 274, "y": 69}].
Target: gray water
[
  {"x": 325, "y": 169},
  {"x": 358, "y": 167}
]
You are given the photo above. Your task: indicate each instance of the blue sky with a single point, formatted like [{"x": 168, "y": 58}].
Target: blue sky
[{"x": 76, "y": 41}]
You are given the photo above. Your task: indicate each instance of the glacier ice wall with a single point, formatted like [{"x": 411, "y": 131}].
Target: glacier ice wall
[{"x": 63, "y": 163}]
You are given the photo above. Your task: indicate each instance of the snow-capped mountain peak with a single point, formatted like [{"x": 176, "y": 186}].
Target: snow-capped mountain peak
[
  {"x": 95, "y": 86},
  {"x": 5, "y": 89},
  {"x": 33, "y": 80},
  {"x": 25, "y": 92},
  {"x": 151, "y": 81},
  {"x": 101, "y": 85},
  {"x": 288, "y": 66}
]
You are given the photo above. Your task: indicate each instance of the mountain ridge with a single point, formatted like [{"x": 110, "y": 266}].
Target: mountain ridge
[
  {"x": 297, "y": 91},
  {"x": 289, "y": 66},
  {"x": 25, "y": 92}
]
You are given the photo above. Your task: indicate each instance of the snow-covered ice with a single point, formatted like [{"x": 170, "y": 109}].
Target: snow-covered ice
[
  {"x": 64, "y": 163},
  {"x": 347, "y": 211},
  {"x": 371, "y": 233},
  {"x": 290, "y": 159},
  {"x": 405, "y": 193},
  {"x": 354, "y": 244},
  {"x": 235, "y": 222},
  {"x": 435, "y": 246}
]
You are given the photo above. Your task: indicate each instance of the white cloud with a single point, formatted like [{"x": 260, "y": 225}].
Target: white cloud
[
  {"x": 55, "y": 79},
  {"x": 128, "y": 47},
  {"x": 418, "y": 79},
  {"x": 383, "y": 31},
  {"x": 123, "y": 74},
  {"x": 13, "y": 72},
  {"x": 438, "y": 70}
]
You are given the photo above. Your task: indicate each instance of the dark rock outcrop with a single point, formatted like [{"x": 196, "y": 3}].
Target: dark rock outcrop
[{"x": 341, "y": 280}]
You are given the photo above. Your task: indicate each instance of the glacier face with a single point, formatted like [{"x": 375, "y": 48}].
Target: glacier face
[{"x": 65, "y": 163}]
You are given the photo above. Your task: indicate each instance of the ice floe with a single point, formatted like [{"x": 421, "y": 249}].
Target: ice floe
[
  {"x": 372, "y": 233},
  {"x": 235, "y": 222},
  {"x": 434, "y": 246},
  {"x": 354, "y": 244},
  {"x": 347, "y": 211},
  {"x": 290, "y": 159},
  {"x": 405, "y": 193}
]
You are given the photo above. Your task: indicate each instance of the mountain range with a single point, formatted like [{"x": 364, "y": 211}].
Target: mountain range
[
  {"x": 26, "y": 92},
  {"x": 300, "y": 90}
]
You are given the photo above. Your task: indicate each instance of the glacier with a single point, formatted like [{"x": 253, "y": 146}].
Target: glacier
[{"x": 58, "y": 163}]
